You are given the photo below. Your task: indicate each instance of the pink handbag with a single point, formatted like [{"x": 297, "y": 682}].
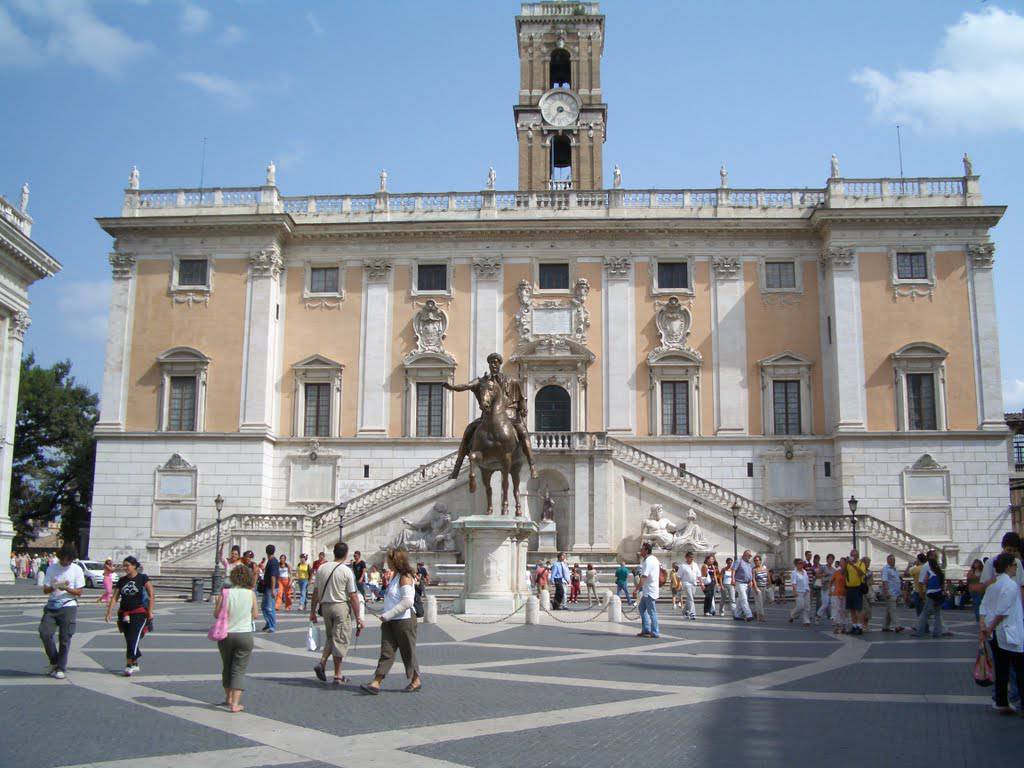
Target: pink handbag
[{"x": 219, "y": 630}]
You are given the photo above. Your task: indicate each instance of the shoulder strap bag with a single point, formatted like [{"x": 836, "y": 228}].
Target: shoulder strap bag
[{"x": 319, "y": 603}]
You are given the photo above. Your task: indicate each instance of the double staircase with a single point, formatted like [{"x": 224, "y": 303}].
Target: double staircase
[{"x": 314, "y": 532}]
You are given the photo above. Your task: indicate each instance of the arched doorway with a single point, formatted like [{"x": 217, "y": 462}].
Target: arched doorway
[{"x": 553, "y": 409}]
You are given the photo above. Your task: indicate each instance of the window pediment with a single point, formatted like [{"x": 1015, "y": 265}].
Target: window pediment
[
  {"x": 187, "y": 355},
  {"x": 317, "y": 363},
  {"x": 920, "y": 350}
]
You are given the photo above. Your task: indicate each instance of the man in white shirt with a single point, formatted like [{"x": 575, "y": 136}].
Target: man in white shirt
[
  {"x": 743, "y": 579},
  {"x": 650, "y": 578},
  {"x": 892, "y": 588},
  {"x": 1011, "y": 545},
  {"x": 63, "y": 585},
  {"x": 1002, "y": 623},
  {"x": 802, "y": 590},
  {"x": 336, "y": 594},
  {"x": 689, "y": 574}
]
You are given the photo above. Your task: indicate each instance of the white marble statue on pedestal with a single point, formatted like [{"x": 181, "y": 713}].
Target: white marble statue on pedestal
[
  {"x": 133, "y": 178},
  {"x": 24, "y": 198},
  {"x": 271, "y": 174},
  {"x": 657, "y": 530},
  {"x": 691, "y": 539},
  {"x": 433, "y": 535}
]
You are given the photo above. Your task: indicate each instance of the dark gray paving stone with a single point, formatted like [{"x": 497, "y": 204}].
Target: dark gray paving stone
[
  {"x": 925, "y": 649},
  {"x": 917, "y": 677},
  {"x": 754, "y": 649},
  {"x": 170, "y": 663},
  {"x": 344, "y": 710},
  {"x": 462, "y": 654},
  {"x": 568, "y": 637},
  {"x": 59, "y": 724},
  {"x": 748, "y": 732}
]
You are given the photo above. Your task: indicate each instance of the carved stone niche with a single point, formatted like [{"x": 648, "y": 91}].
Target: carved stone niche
[
  {"x": 430, "y": 324},
  {"x": 568, "y": 318},
  {"x": 674, "y": 321}
]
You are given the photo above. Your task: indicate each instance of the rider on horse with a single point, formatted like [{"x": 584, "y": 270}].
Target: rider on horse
[{"x": 517, "y": 409}]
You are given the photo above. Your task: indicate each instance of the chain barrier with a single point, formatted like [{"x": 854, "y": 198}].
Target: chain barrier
[
  {"x": 448, "y": 611},
  {"x": 575, "y": 621},
  {"x": 626, "y": 614}
]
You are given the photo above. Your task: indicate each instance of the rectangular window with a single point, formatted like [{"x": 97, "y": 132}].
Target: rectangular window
[
  {"x": 1018, "y": 453},
  {"x": 432, "y": 277},
  {"x": 192, "y": 272},
  {"x": 779, "y": 275},
  {"x": 318, "y": 410},
  {"x": 675, "y": 407},
  {"x": 673, "y": 274},
  {"x": 429, "y": 410},
  {"x": 554, "y": 277},
  {"x": 921, "y": 401},
  {"x": 911, "y": 266},
  {"x": 323, "y": 280},
  {"x": 181, "y": 408},
  {"x": 786, "y": 407}
]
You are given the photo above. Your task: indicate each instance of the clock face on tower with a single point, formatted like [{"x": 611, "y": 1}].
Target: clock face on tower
[{"x": 559, "y": 108}]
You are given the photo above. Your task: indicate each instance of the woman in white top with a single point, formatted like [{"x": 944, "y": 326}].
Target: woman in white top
[
  {"x": 236, "y": 648},
  {"x": 398, "y": 624},
  {"x": 1002, "y": 624}
]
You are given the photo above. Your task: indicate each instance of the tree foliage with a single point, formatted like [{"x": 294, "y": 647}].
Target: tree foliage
[{"x": 54, "y": 450}]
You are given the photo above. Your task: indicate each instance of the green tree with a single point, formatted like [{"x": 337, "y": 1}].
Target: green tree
[{"x": 54, "y": 450}]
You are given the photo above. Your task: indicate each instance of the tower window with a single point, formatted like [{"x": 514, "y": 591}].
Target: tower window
[
  {"x": 553, "y": 277},
  {"x": 561, "y": 163},
  {"x": 561, "y": 69}
]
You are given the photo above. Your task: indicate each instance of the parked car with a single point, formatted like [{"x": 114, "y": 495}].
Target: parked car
[{"x": 94, "y": 573}]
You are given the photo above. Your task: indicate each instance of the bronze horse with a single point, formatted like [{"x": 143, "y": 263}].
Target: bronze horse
[{"x": 495, "y": 448}]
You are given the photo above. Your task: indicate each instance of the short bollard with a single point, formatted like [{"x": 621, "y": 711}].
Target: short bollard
[
  {"x": 532, "y": 610},
  {"x": 545, "y": 600},
  {"x": 430, "y": 610},
  {"x": 615, "y": 609},
  {"x": 604, "y": 597}
]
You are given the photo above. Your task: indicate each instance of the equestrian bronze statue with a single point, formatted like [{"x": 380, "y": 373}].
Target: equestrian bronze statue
[{"x": 498, "y": 440}]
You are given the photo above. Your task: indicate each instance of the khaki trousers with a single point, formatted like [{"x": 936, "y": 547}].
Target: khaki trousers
[{"x": 398, "y": 634}]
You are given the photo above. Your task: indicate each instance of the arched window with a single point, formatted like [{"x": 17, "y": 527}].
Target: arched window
[
  {"x": 561, "y": 162},
  {"x": 561, "y": 69},
  {"x": 554, "y": 410}
]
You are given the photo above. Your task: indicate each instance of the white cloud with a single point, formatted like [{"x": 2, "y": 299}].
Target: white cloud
[
  {"x": 975, "y": 86},
  {"x": 234, "y": 94},
  {"x": 76, "y": 34},
  {"x": 232, "y": 35},
  {"x": 194, "y": 18},
  {"x": 1013, "y": 395},
  {"x": 83, "y": 308},
  {"x": 16, "y": 48},
  {"x": 315, "y": 24}
]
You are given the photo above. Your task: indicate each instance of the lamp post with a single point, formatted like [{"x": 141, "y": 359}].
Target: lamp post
[
  {"x": 735, "y": 524},
  {"x": 217, "y": 575},
  {"x": 852, "y": 503},
  {"x": 341, "y": 520}
]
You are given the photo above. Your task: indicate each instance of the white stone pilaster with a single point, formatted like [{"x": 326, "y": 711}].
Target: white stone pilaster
[
  {"x": 618, "y": 343},
  {"x": 842, "y": 280},
  {"x": 114, "y": 395},
  {"x": 259, "y": 364},
  {"x": 988, "y": 377},
  {"x": 488, "y": 323},
  {"x": 600, "y": 534},
  {"x": 729, "y": 346},
  {"x": 581, "y": 505},
  {"x": 10, "y": 376},
  {"x": 375, "y": 349}
]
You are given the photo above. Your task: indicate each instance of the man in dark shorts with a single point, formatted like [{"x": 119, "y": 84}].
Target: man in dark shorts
[{"x": 855, "y": 572}]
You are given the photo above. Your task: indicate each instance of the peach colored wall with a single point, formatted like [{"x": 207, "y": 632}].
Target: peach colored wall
[
  {"x": 772, "y": 329},
  {"x": 595, "y": 343},
  {"x": 332, "y": 333},
  {"x": 216, "y": 330},
  {"x": 648, "y": 339},
  {"x": 889, "y": 325}
]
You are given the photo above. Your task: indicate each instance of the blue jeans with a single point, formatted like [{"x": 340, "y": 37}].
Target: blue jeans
[
  {"x": 303, "y": 592},
  {"x": 269, "y": 612},
  {"x": 620, "y": 589},
  {"x": 649, "y": 616}
]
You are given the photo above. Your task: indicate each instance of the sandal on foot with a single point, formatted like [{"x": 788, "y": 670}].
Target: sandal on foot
[
  {"x": 340, "y": 680},
  {"x": 367, "y": 688},
  {"x": 318, "y": 670},
  {"x": 410, "y": 688}
]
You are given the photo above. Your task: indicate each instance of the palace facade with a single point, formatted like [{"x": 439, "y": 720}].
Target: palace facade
[{"x": 757, "y": 355}]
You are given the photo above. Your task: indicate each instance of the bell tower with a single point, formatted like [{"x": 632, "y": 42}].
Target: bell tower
[{"x": 561, "y": 115}]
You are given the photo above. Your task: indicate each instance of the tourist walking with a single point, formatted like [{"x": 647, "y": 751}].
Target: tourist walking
[
  {"x": 358, "y": 567},
  {"x": 398, "y": 626},
  {"x": 650, "y": 578},
  {"x": 675, "y": 585},
  {"x": 837, "y": 598},
  {"x": 541, "y": 576},
  {"x": 591, "y": 581},
  {"x": 728, "y": 587},
  {"x": 710, "y": 581},
  {"x": 689, "y": 574},
  {"x": 269, "y": 582},
  {"x": 892, "y": 587},
  {"x": 239, "y": 602},
  {"x": 284, "y": 584},
  {"x": 108, "y": 582},
  {"x": 134, "y": 595},
  {"x": 743, "y": 577},
  {"x": 302, "y": 580},
  {"x": 574, "y": 583},
  {"x": 622, "y": 582},
  {"x": 320, "y": 560},
  {"x": 975, "y": 588},
  {"x": 867, "y": 589},
  {"x": 336, "y": 598},
  {"x": 761, "y": 574},
  {"x": 855, "y": 590},
  {"x": 802, "y": 591},
  {"x": 560, "y": 577},
  {"x": 63, "y": 585},
  {"x": 934, "y": 580},
  {"x": 823, "y": 576},
  {"x": 916, "y": 587},
  {"x": 1002, "y": 625}
]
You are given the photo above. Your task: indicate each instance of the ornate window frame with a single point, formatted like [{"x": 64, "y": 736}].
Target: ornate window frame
[
  {"x": 762, "y": 274},
  {"x": 428, "y": 368},
  {"x": 657, "y": 290},
  {"x": 786, "y": 366},
  {"x": 182, "y": 361},
  {"x": 327, "y": 299},
  {"x": 553, "y": 259},
  {"x": 673, "y": 365},
  {"x": 912, "y": 287},
  {"x": 316, "y": 369},
  {"x": 191, "y": 294},
  {"x": 449, "y": 276},
  {"x": 920, "y": 357}
]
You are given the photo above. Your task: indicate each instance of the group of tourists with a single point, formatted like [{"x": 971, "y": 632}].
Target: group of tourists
[
  {"x": 566, "y": 580},
  {"x": 32, "y": 566}
]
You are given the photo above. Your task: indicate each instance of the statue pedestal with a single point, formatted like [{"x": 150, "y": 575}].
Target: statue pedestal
[
  {"x": 496, "y": 580},
  {"x": 547, "y": 541}
]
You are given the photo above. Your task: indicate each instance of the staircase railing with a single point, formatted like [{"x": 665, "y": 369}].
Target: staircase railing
[
  {"x": 747, "y": 508},
  {"x": 207, "y": 535},
  {"x": 867, "y": 525}
]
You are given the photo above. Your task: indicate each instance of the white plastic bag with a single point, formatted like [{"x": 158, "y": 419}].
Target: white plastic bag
[{"x": 314, "y": 637}]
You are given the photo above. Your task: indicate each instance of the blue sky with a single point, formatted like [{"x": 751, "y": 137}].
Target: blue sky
[{"x": 333, "y": 92}]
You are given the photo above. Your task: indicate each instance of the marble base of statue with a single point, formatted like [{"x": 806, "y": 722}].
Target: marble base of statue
[
  {"x": 496, "y": 579},
  {"x": 547, "y": 540}
]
